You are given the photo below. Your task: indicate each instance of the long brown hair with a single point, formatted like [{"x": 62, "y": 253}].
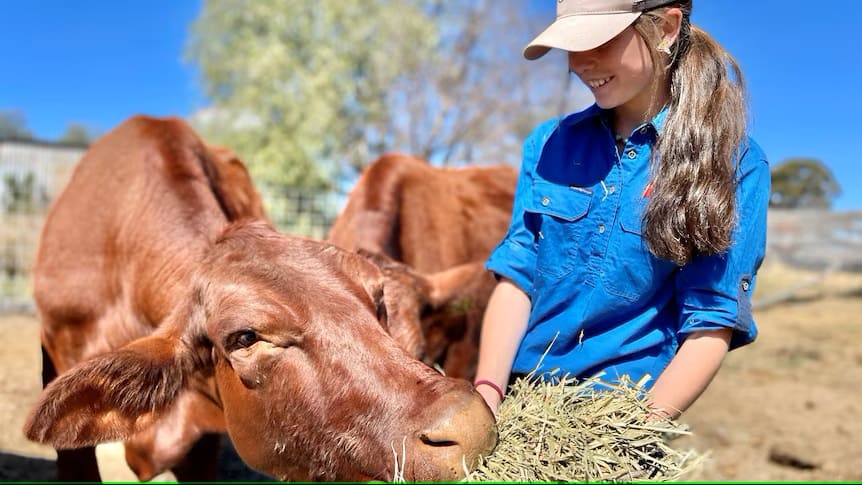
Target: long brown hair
[{"x": 692, "y": 208}]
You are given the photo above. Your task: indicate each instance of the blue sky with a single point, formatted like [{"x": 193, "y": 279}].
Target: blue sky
[{"x": 98, "y": 62}]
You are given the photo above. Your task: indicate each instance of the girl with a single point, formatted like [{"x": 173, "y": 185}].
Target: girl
[{"x": 640, "y": 222}]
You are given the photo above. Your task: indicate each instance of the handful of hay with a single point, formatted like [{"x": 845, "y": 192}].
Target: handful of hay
[{"x": 576, "y": 432}]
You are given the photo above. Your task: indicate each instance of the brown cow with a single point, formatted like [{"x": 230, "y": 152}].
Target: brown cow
[
  {"x": 169, "y": 310},
  {"x": 441, "y": 222}
]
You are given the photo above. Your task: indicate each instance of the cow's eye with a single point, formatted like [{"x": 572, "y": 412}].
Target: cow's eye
[
  {"x": 241, "y": 339},
  {"x": 381, "y": 314},
  {"x": 426, "y": 309}
]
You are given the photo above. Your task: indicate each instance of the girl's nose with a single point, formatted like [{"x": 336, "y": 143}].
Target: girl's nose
[{"x": 581, "y": 62}]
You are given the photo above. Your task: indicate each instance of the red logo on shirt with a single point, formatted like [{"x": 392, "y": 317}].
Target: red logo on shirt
[{"x": 648, "y": 190}]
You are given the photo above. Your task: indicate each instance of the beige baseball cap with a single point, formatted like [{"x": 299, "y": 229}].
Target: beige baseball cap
[{"x": 582, "y": 25}]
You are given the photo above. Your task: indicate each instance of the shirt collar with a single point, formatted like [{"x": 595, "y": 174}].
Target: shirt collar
[
  {"x": 658, "y": 120},
  {"x": 573, "y": 119},
  {"x": 656, "y": 123}
]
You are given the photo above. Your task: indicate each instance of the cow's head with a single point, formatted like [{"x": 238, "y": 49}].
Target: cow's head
[
  {"x": 431, "y": 313},
  {"x": 310, "y": 384}
]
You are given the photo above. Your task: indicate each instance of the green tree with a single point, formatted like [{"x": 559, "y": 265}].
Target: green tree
[
  {"x": 77, "y": 134},
  {"x": 288, "y": 78},
  {"x": 803, "y": 183},
  {"x": 309, "y": 92},
  {"x": 13, "y": 125}
]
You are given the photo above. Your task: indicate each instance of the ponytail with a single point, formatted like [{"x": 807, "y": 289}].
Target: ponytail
[{"x": 692, "y": 208}]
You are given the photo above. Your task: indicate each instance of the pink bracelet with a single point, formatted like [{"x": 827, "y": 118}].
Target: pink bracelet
[{"x": 492, "y": 385}]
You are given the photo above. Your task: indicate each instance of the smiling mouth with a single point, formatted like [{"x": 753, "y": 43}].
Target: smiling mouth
[{"x": 597, "y": 83}]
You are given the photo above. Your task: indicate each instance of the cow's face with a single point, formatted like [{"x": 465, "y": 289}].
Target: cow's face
[
  {"x": 431, "y": 312},
  {"x": 311, "y": 385}
]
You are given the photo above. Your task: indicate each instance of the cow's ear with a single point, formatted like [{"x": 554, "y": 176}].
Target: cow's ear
[
  {"x": 457, "y": 287},
  {"x": 232, "y": 181},
  {"x": 368, "y": 272},
  {"x": 111, "y": 396}
]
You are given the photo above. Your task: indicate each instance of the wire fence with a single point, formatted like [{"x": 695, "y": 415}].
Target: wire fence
[
  {"x": 821, "y": 241},
  {"x": 302, "y": 211}
]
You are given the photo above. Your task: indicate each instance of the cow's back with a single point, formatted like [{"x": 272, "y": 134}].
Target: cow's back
[
  {"x": 370, "y": 219},
  {"x": 428, "y": 217},
  {"x": 453, "y": 216},
  {"x": 116, "y": 247}
]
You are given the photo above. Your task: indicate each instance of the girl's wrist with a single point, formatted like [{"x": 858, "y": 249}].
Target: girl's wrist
[
  {"x": 491, "y": 398},
  {"x": 491, "y": 384}
]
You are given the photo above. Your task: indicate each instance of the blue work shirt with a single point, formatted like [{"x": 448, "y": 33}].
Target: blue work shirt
[{"x": 575, "y": 247}]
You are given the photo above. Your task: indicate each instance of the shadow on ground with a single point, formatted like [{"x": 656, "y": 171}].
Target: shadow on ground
[{"x": 19, "y": 468}]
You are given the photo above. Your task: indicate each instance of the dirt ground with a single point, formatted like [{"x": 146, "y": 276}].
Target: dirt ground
[{"x": 785, "y": 408}]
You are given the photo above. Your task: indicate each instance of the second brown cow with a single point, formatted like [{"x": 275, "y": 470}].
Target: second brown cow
[{"x": 442, "y": 223}]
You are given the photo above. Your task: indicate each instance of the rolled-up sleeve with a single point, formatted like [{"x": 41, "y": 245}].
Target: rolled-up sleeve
[
  {"x": 715, "y": 291},
  {"x": 515, "y": 256}
]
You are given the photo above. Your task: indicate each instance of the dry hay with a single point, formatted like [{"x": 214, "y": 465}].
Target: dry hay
[{"x": 588, "y": 431}]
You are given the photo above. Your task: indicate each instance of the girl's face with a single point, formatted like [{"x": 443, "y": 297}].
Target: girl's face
[{"x": 619, "y": 72}]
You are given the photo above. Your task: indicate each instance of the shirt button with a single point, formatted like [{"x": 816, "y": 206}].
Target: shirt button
[
  {"x": 745, "y": 285},
  {"x": 546, "y": 200},
  {"x": 612, "y": 189},
  {"x": 632, "y": 154},
  {"x": 601, "y": 228}
]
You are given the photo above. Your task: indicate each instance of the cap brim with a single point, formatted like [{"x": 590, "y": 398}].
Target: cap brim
[{"x": 577, "y": 33}]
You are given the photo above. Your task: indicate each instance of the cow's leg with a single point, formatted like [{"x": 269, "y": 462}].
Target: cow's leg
[
  {"x": 49, "y": 372},
  {"x": 201, "y": 462},
  {"x": 462, "y": 355},
  {"x": 78, "y": 465},
  {"x": 460, "y": 360}
]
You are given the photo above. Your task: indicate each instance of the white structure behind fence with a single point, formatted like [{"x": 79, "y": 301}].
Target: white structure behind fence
[
  {"x": 31, "y": 173},
  {"x": 816, "y": 239}
]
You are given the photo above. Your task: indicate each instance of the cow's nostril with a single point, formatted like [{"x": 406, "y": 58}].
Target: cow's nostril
[
  {"x": 460, "y": 430},
  {"x": 429, "y": 441}
]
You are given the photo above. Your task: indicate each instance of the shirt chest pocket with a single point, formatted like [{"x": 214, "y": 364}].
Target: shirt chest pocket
[
  {"x": 632, "y": 271},
  {"x": 555, "y": 214}
]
